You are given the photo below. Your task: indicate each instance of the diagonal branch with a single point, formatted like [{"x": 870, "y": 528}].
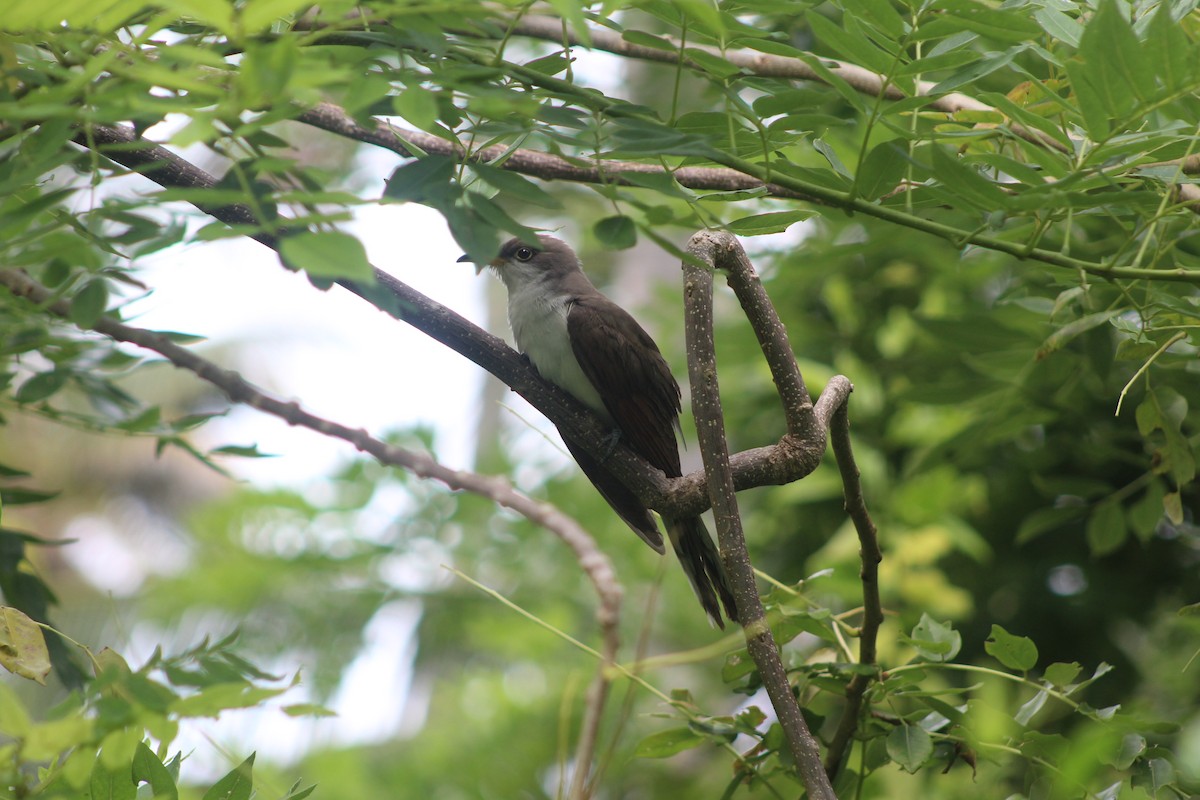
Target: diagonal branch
[{"x": 783, "y": 462}]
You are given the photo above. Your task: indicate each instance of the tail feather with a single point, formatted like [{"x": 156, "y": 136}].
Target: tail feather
[{"x": 702, "y": 564}]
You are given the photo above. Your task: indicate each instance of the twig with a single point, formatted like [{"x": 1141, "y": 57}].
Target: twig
[
  {"x": 871, "y": 555},
  {"x": 708, "y": 248}
]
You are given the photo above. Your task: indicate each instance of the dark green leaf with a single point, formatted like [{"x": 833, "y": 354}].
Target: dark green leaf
[
  {"x": 910, "y": 746},
  {"x": 419, "y": 106},
  {"x": 644, "y": 39},
  {"x": 1061, "y": 674},
  {"x": 1059, "y": 25},
  {"x": 669, "y": 742},
  {"x": 423, "y": 180},
  {"x": 41, "y": 386},
  {"x": 515, "y": 185},
  {"x": 857, "y": 49},
  {"x": 772, "y": 222},
  {"x": 245, "y": 451},
  {"x": 89, "y": 304},
  {"x": 635, "y": 136},
  {"x": 616, "y": 232},
  {"x": 327, "y": 254},
  {"x": 881, "y": 171},
  {"x": 1106, "y": 529},
  {"x": 148, "y": 769},
  {"x": 106, "y": 784},
  {"x": 1116, "y": 61},
  {"x": 1014, "y": 652},
  {"x": 236, "y": 785}
]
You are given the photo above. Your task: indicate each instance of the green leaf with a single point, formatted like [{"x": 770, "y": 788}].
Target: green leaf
[
  {"x": 1059, "y": 25},
  {"x": 423, "y": 180},
  {"x": 1154, "y": 774},
  {"x": 643, "y": 39},
  {"x": 1030, "y": 707},
  {"x": 1014, "y": 652},
  {"x": 1116, "y": 60},
  {"x": 771, "y": 222},
  {"x": 1070, "y": 331},
  {"x": 236, "y": 785},
  {"x": 22, "y": 646},
  {"x": 1045, "y": 520},
  {"x": 148, "y": 769},
  {"x": 1061, "y": 674},
  {"x": 966, "y": 184},
  {"x": 637, "y": 136},
  {"x": 111, "y": 784},
  {"x": 327, "y": 254},
  {"x": 1010, "y": 25},
  {"x": 617, "y": 232},
  {"x": 308, "y": 710},
  {"x": 41, "y": 386},
  {"x": 667, "y": 743},
  {"x": 245, "y": 451},
  {"x": 1175, "y": 55},
  {"x": 858, "y": 49},
  {"x": 881, "y": 171},
  {"x": 935, "y": 641},
  {"x": 89, "y": 304},
  {"x": 257, "y": 15},
  {"x": 419, "y": 106},
  {"x": 1106, "y": 529},
  {"x": 910, "y": 746},
  {"x": 211, "y": 701},
  {"x": 515, "y": 185}
]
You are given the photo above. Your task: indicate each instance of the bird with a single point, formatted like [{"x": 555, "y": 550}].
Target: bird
[{"x": 583, "y": 342}]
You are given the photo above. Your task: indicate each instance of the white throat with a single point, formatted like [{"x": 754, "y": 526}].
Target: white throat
[{"x": 538, "y": 316}]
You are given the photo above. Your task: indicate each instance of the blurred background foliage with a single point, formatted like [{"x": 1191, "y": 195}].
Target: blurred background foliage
[{"x": 1026, "y": 434}]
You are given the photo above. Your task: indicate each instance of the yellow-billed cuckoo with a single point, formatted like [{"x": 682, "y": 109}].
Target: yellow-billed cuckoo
[{"x": 580, "y": 340}]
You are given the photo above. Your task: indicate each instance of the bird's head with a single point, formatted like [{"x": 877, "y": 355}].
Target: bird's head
[{"x": 520, "y": 262}]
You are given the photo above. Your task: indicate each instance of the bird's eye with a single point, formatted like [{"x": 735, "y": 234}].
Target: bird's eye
[{"x": 524, "y": 253}]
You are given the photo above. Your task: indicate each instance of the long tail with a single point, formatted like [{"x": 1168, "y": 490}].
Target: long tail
[{"x": 702, "y": 564}]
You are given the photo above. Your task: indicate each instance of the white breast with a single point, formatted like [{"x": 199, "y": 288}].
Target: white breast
[{"x": 539, "y": 325}]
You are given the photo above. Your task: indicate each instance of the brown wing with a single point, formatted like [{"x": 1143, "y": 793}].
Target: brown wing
[{"x": 632, "y": 377}]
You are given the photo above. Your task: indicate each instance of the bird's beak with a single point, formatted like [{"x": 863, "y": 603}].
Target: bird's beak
[{"x": 496, "y": 262}]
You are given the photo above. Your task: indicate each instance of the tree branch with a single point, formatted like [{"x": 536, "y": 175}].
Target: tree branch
[
  {"x": 411, "y": 144},
  {"x": 871, "y": 555},
  {"x": 713, "y": 249},
  {"x": 765, "y": 65},
  {"x": 788, "y": 460}
]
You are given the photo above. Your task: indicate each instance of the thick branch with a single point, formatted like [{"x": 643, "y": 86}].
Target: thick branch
[{"x": 710, "y": 431}]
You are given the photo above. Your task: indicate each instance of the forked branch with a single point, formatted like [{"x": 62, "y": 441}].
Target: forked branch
[{"x": 807, "y": 424}]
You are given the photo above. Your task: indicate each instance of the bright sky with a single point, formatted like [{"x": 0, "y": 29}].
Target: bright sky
[{"x": 343, "y": 360}]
